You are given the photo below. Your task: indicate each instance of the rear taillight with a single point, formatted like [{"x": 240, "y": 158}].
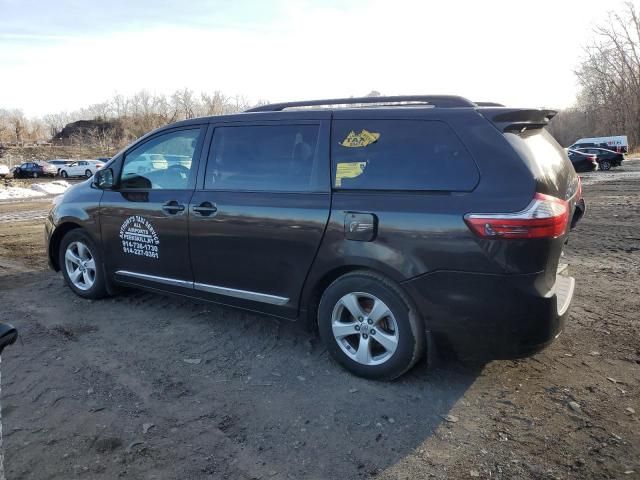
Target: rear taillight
[{"x": 545, "y": 217}]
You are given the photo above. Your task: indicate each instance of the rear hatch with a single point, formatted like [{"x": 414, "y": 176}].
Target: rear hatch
[
  {"x": 545, "y": 158},
  {"x": 533, "y": 238}
]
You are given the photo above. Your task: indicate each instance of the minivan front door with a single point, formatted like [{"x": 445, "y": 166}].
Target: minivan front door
[
  {"x": 259, "y": 214},
  {"x": 144, "y": 220}
]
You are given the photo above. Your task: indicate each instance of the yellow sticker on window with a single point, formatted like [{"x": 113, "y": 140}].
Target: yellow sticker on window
[
  {"x": 358, "y": 140},
  {"x": 348, "y": 170}
]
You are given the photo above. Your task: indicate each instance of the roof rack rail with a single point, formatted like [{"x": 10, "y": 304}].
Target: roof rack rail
[
  {"x": 441, "y": 101},
  {"x": 489, "y": 104}
]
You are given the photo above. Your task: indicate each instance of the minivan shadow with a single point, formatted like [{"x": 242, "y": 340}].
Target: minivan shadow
[{"x": 299, "y": 410}]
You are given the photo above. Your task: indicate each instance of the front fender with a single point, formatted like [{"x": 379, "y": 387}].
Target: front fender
[{"x": 79, "y": 207}]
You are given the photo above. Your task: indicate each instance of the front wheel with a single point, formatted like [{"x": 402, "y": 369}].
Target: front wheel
[
  {"x": 81, "y": 265},
  {"x": 370, "y": 327},
  {"x": 605, "y": 165},
  {"x": 64, "y": 174}
]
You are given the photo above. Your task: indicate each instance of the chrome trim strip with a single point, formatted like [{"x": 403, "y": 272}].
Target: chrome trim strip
[
  {"x": 203, "y": 287},
  {"x": 243, "y": 294},
  {"x": 152, "y": 278}
]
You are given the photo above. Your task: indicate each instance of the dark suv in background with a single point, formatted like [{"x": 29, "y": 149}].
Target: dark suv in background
[{"x": 391, "y": 223}]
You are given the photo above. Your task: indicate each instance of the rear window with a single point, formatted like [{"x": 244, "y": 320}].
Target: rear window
[{"x": 400, "y": 155}]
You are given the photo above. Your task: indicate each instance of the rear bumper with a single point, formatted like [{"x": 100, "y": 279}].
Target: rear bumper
[{"x": 493, "y": 316}]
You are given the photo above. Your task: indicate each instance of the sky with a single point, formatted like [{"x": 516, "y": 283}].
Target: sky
[{"x": 63, "y": 55}]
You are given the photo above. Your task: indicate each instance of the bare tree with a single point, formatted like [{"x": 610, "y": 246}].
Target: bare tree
[
  {"x": 17, "y": 123},
  {"x": 216, "y": 104},
  {"x": 610, "y": 78},
  {"x": 184, "y": 103},
  {"x": 4, "y": 126}
]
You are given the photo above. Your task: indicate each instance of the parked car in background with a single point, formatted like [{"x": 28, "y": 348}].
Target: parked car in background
[
  {"x": 617, "y": 143},
  {"x": 81, "y": 168},
  {"x": 35, "y": 170},
  {"x": 4, "y": 170},
  {"x": 99, "y": 162},
  {"x": 59, "y": 162},
  {"x": 583, "y": 162},
  {"x": 606, "y": 158},
  {"x": 336, "y": 217}
]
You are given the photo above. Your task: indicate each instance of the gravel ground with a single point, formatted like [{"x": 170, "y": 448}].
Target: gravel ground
[{"x": 153, "y": 387}]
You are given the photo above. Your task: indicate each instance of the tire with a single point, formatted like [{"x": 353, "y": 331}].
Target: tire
[
  {"x": 401, "y": 327},
  {"x": 64, "y": 174},
  {"x": 87, "y": 173},
  {"x": 605, "y": 165},
  {"x": 82, "y": 286},
  {"x": 34, "y": 174}
]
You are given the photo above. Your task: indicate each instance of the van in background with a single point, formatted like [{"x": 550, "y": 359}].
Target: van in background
[{"x": 618, "y": 143}]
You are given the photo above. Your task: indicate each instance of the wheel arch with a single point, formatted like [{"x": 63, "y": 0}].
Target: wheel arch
[
  {"x": 57, "y": 236},
  {"x": 313, "y": 292}
]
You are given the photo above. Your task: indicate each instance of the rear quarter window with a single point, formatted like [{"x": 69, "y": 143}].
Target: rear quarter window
[{"x": 400, "y": 155}]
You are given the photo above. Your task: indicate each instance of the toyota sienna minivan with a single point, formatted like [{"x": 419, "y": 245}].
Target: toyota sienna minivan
[{"x": 392, "y": 224}]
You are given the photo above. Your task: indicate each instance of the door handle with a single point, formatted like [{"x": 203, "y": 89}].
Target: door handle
[
  {"x": 173, "y": 207},
  {"x": 205, "y": 209}
]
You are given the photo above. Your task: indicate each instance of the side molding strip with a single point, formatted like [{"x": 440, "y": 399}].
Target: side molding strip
[
  {"x": 243, "y": 294},
  {"x": 203, "y": 287},
  {"x": 152, "y": 278}
]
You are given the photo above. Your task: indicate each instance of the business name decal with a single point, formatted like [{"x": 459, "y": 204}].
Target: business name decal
[{"x": 139, "y": 237}]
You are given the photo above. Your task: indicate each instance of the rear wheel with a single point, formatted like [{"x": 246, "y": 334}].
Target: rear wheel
[
  {"x": 88, "y": 173},
  {"x": 34, "y": 174},
  {"x": 370, "y": 327},
  {"x": 81, "y": 265},
  {"x": 605, "y": 165}
]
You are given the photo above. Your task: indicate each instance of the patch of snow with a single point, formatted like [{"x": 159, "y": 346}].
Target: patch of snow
[
  {"x": 52, "y": 188},
  {"x": 37, "y": 190},
  {"x": 16, "y": 193}
]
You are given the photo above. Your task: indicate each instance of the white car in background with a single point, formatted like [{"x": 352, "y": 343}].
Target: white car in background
[
  {"x": 4, "y": 170},
  {"x": 81, "y": 168}
]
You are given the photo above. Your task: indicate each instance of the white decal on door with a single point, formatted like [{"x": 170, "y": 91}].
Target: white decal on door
[{"x": 139, "y": 238}]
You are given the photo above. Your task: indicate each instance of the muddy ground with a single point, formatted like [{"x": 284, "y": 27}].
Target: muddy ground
[{"x": 153, "y": 387}]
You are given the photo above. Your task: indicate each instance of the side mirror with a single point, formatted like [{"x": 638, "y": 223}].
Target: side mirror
[{"x": 103, "y": 179}]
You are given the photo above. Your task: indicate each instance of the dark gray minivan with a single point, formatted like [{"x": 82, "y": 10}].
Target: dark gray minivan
[{"x": 392, "y": 223}]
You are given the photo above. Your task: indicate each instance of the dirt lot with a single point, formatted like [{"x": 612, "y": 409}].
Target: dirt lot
[{"x": 147, "y": 386}]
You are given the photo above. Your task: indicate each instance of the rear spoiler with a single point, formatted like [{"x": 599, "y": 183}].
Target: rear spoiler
[{"x": 517, "y": 119}]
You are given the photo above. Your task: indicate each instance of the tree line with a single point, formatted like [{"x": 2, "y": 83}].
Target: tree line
[
  {"x": 609, "y": 77},
  {"x": 119, "y": 120}
]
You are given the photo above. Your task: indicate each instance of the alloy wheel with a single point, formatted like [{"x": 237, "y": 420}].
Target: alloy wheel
[
  {"x": 365, "y": 329},
  {"x": 80, "y": 265}
]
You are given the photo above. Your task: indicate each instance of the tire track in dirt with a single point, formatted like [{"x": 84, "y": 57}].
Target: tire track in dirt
[{"x": 24, "y": 216}]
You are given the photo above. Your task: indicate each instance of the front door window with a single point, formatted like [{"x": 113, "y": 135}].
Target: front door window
[{"x": 163, "y": 163}]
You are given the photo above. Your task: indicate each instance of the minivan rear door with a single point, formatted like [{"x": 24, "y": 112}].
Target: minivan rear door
[{"x": 260, "y": 210}]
